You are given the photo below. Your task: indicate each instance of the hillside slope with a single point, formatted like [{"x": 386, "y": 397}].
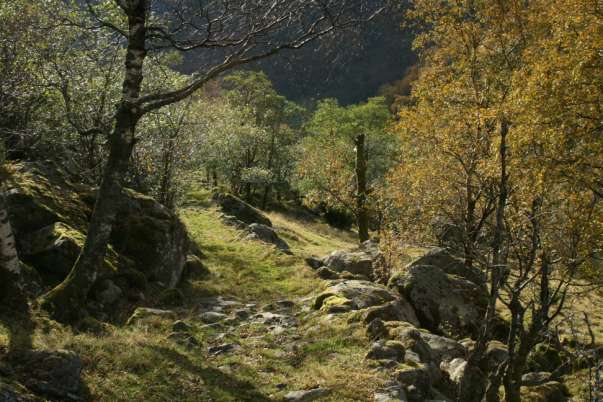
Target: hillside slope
[{"x": 150, "y": 360}]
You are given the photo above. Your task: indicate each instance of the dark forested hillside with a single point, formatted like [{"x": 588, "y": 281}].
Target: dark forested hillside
[{"x": 349, "y": 65}]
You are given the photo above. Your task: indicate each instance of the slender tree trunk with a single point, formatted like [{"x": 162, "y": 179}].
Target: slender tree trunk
[
  {"x": 14, "y": 309},
  {"x": 165, "y": 187},
  {"x": 66, "y": 300},
  {"x": 215, "y": 177},
  {"x": 473, "y": 384},
  {"x": 361, "y": 189},
  {"x": 268, "y": 186}
]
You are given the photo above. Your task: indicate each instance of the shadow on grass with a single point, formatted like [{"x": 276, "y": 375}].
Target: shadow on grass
[{"x": 237, "y": 389}]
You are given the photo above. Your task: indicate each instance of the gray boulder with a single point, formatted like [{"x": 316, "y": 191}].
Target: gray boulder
[
  {"x": 355, "y": 293},
  {"x": 445, "y": 301},
  {"x": 307, "y": 395},
  {"x": 152, "y": 236},
  {"x": 267, "y": 235},
  {"x": 234, "y": 206},
  {"x": 537, "y": 378},
  {"x": 396, "y": 310},
  {"x": 355, "y": 262}
]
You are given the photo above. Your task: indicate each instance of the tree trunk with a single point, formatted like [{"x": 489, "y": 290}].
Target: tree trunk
[
  {"x": 268, "y": 186},
  {"x": 14, "y": 309},
  {"x": 361, "y": 189},
  {"x": 467, "y": 384},
  {"x": 65, "y": 302},
  {"x": 165, "y": 188}
]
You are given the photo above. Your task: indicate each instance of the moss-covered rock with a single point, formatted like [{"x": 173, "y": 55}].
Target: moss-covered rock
[
  {"x": 152, "y": 236},
  {"x": 361, "y": 294},
  {"x": 448, "y": 298},
  {"x": 50, "y": 216},
  {"x": 336, "y": 304}
]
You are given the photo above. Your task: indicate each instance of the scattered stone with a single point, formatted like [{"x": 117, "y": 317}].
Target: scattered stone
[
  {"x": 184, "y": 339},
  {"x": 268, "y": 318},
  {"x": 212, "y": 317},
  {"x": 221, "y": 349},
  {"x": 307, "y": 395},
  {"x": 241, "y": 314},
  {"x": 545, "y": 357},
  {"x": 143, "y": 313}
]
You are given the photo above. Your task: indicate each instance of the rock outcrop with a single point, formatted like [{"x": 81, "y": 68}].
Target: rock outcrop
[
  {"x": 50, "y": 217},
  {"x": 448, "y": 298}
]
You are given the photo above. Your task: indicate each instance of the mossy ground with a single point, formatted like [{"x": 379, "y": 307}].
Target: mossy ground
[{"x": 140, "y": 363}]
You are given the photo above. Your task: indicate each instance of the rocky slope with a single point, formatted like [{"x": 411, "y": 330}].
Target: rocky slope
[{"x": 256, "y": 317}]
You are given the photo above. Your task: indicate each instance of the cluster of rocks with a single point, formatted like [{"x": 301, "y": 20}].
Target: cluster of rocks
[
  {"x": 421, "y": 324},
  {"x": 50, "y": 216},
  {"x": 223, "y": 316},
  {"x": 254, "y": 224},
  {"x": 355, "y": 264}
]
